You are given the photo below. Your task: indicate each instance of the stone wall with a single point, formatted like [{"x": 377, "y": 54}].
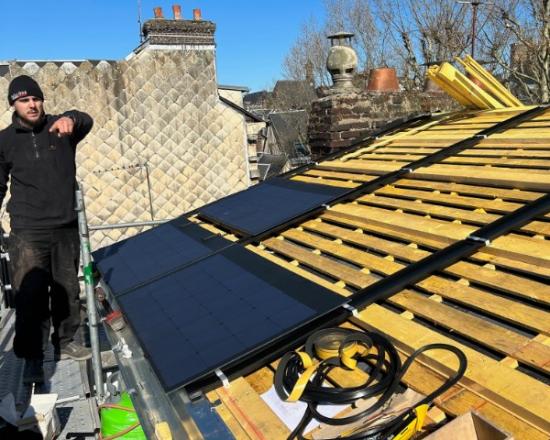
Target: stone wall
[
  {"x": 162, "y": 143},
  {"x": 338, "y": 120}
]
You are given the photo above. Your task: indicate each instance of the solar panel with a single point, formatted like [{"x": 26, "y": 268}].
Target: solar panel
[
  {"x": 267, "y": 205},
  {"x": 137, "y": 259},
  {"x": 217, "y": 311}
]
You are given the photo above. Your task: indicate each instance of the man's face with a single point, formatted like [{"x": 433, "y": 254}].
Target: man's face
[{"x": 29, "y": 109}]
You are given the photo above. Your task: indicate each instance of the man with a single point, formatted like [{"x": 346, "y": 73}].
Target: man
[{"x": 38, "y": 152}]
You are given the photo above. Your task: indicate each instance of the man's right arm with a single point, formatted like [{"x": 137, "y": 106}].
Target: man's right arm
[{"x": 83, "y": 123}]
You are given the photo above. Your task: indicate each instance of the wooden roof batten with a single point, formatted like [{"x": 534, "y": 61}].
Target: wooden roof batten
[{"x": 412, "y": 202}]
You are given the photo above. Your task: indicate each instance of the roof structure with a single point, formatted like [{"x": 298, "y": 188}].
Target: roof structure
[
  {"x": 493, "y": 303},
  {"x": 432, "y": 230}
]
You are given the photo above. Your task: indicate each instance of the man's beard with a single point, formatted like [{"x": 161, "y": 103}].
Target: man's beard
[{"x": 31, "y": 123}]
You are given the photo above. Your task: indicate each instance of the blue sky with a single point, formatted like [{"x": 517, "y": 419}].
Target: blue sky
[{"x": 252, "y": 37}]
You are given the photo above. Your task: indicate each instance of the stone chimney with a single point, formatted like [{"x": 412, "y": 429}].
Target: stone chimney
[
  {"x": 162, "y": 33},
  {"x": 347, "y": 114}
]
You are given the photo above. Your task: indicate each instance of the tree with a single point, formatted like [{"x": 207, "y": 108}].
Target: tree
[
  {"x": 525, "y": 59},
  {"x": 512, "y": 39},
  {"x": 312, "y": 45}
]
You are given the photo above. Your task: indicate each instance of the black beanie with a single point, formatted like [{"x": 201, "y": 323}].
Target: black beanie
[{"x": 23, "y": 86}]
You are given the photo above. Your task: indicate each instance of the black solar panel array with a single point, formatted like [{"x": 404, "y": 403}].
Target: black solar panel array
[
  {"x": 216, "y": 311},
  {"x": 198, "y": 302}
]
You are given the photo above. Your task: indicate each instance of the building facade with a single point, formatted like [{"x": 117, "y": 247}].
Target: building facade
[{"x": 163, "y": 142}]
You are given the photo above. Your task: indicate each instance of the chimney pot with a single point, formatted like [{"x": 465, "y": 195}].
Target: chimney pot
[
  {"x": 197, "y": 14},
  {"x": 383, "y": 79},
  {"x": 158, "y": 12},
  {"x": 176, "y": 9}
]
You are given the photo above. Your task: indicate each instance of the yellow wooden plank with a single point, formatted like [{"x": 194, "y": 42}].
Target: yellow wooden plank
[
  {"x": 507, "y": 177},
  {"x": 342, "y": 176},
  {"x": 227, "y": 417},
  {"x": 503, "y": 308},
  {"x": 505, "y": 153},
  {"x": 261, "y": 380},
  {"x": 509, "y": 310},
  {"x": 526, "y": 144},
  {"x": 509, "y": 386},
  {"x": 489, "y": 82},
  {"x": 322, "y": 264},
  {"x": 391, "y": 157},
  {"x": 412, "y": 150},
  {"x": 471, "y": 190},
  {"x": 401, "y": 134},
  {"x": 450, "y": 199},
  {"x": 492, "y": 278},
  {"x": 426, "y": 143},
  {"x": 478, "y": 329},
  {"x": 465, "y": 401},
  {"x": 536, "y": 180},
  {"x": 497, "y": 161},
  {"x": 359, "y": 166},
  {"x": 452, "y": 213},
  {"x": 429, "y": 208},
  {"x": 459, "y": 87},
  {"x": 503, "y": 281},
  {"x": 472, "y": 158},
  {"x": 253, "y": 414},
  {"x": 510, "y": 245},
  {"x": 325, "y": 181},
  {"x": 432, "y": 242}
]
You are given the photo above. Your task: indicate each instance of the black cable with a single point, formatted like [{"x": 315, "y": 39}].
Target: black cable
[{"x": 383, "y": 367}]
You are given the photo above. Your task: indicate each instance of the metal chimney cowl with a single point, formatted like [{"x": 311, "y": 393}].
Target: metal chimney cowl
[{"x": 342, "y": 61}]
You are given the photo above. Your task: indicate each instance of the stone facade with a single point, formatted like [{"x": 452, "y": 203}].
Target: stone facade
[
  {"x": 162, "y": 144},
  {"x": 337, "y": 120}
]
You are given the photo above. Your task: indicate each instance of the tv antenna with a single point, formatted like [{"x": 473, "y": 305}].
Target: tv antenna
[
  {"x": 475, "y": 4},
  {"x": 139, "y": 21}
]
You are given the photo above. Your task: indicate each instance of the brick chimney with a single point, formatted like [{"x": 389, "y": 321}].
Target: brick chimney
[{"x": 178, "y": 31}]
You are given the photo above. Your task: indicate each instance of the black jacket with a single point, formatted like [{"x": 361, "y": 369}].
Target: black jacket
[{"x": 43, "y": 172}]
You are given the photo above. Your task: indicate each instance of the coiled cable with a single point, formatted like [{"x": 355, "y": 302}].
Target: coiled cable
[{"x": 299, "y": 377}]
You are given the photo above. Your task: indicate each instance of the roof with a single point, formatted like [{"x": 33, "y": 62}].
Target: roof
[
  {"x": 493, "y": 304},
  {"x": 294, "y": 88},
  {"x": 235, "y": 88},
  {"x": 290, "y": 129},
  {"x": 256, "y": 98},
  {"x": 250, "y": 115}
]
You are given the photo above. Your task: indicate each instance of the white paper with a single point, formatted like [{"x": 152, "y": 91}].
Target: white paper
[{"x": 292, "y": 412}]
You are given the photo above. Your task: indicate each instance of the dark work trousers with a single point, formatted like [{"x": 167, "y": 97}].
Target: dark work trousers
[{"x": 44, "y": 270}]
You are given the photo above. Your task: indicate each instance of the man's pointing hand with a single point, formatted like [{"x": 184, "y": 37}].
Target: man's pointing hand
[{"x": 63, "y": 126}]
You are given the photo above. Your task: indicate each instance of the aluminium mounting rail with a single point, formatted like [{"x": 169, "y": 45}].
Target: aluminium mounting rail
[
  {"x": 385, "y": 288},
  {"x": 365, "y": 188}
]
